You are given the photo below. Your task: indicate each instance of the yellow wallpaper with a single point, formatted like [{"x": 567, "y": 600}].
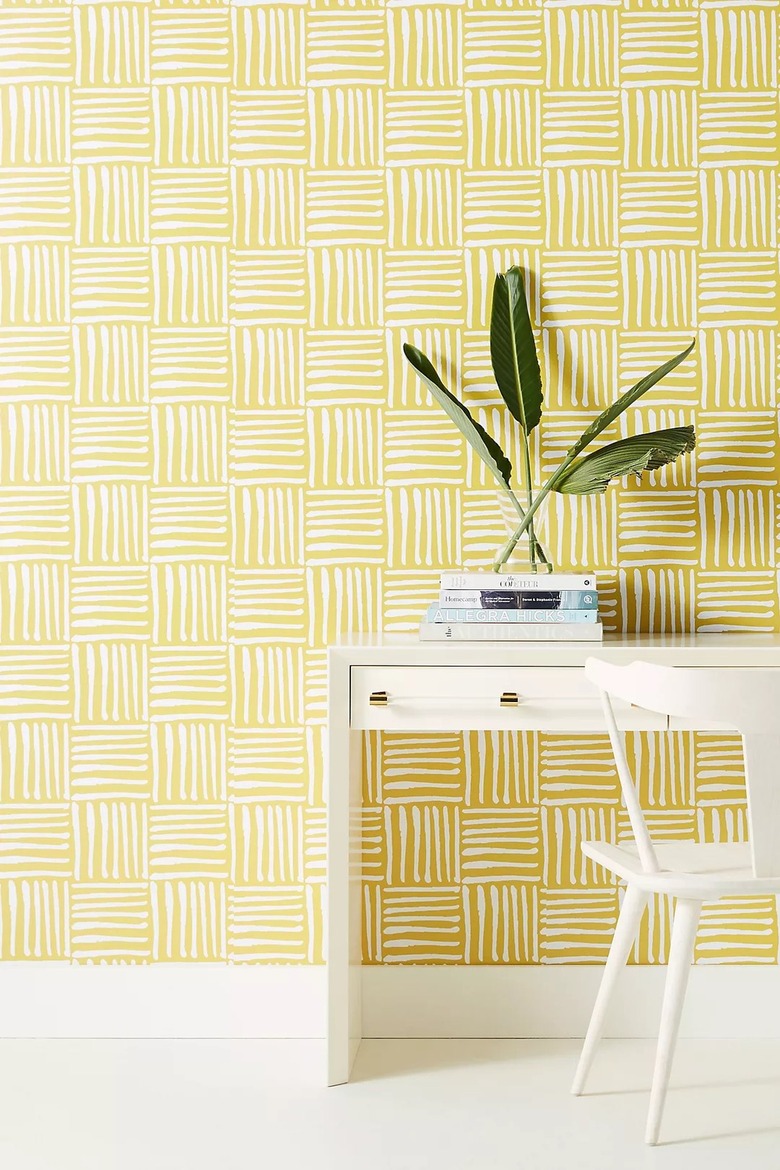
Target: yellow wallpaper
[{"x": 218, "y": 223}]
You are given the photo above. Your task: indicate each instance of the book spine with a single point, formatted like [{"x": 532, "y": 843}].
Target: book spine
[
  {"x": 536, "y": 632},
  {"x": 437, "y": 613},
  {"x": 519, "y": 599},
  {"x": 539, "y": 582}
]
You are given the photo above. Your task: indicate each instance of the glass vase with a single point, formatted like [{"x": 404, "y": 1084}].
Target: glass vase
[{"x": 520, "y": 559}]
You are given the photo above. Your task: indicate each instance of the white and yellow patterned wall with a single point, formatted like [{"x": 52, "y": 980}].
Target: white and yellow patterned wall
[{"x": 218, "y": 223}]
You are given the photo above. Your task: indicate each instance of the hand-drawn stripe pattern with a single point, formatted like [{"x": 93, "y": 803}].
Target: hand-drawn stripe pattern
[{"x": 218, "y": 223}]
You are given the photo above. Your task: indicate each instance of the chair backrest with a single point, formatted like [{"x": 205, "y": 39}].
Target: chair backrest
[{"x": 746, "y": 701}]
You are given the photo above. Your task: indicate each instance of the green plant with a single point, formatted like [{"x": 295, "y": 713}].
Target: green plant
[{"x": 516, "y": 369}]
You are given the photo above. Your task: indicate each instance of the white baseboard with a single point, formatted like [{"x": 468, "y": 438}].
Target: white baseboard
[
  {"x": 215, "y": 1001},
  {"x": 180, "y": 1000},
  {"x": 533, "y": 1002}
]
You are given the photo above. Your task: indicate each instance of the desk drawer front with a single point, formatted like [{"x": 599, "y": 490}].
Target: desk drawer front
[{"x": 483, "y": 698}]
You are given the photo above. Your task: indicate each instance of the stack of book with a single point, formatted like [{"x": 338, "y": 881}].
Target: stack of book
[{"x": 474, "y": 607}]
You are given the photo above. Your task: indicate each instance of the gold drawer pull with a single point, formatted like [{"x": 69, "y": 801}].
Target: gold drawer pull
[{"x": 381, "y": 699}]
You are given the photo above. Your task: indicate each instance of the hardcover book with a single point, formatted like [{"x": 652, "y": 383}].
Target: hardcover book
[
  {"x": 511, "y": 632},
  {"x": 439, "y": 613},
  {"x": 538, "y": 582},
  {"x": 519, "y": 599}
]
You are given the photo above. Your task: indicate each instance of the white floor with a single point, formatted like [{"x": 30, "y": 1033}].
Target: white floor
[{"x": 415, "y": 1105}]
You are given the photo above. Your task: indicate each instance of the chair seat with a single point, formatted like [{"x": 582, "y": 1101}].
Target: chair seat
[{"x": 686, "y": 869}]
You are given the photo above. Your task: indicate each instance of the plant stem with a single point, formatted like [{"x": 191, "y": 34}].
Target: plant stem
[
  {"x": 535, "y": 548},
  {"x": 530, "y": 496}
]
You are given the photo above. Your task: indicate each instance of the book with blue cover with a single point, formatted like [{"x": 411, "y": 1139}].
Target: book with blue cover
[{"x": 440, "y": 613}]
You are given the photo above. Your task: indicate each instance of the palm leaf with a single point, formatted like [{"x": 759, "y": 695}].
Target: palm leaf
[
  {"x": 608, "y": 416},
  {"x": 485, "y": 446},
  {"x": 513, "y": 350},
  {"x": 636, "y": 454}
]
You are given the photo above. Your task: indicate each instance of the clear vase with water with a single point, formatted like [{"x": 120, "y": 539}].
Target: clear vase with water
[{"x": 520, "y": 559}]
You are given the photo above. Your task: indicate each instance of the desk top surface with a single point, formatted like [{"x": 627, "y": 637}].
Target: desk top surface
[{"x": 715, "y": 650}]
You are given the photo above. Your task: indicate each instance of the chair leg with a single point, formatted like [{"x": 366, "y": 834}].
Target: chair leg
[
  {"x": 626, "y": 930},
  {"x": 686, "y": 921}
]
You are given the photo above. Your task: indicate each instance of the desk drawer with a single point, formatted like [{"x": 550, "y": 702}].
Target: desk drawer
[{"x": 482, "y": 698}]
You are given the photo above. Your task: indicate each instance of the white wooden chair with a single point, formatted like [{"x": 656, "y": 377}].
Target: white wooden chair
[{"x": 746, "y": 701}]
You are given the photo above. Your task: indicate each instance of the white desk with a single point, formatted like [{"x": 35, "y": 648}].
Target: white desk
[{"x": 396, "y": 683}]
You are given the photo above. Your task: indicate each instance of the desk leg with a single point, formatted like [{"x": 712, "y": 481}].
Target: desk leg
[
  {"x": 762, "y": 753},
  {"x": 345, "y": 1024}
]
